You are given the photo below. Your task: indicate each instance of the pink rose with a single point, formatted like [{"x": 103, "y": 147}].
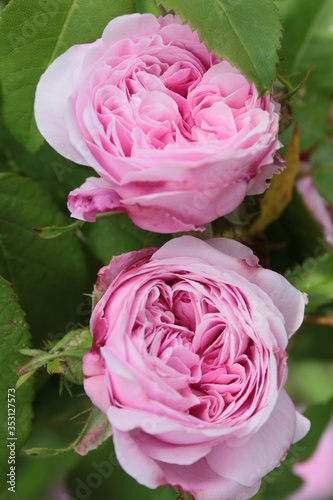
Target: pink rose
[
  {"x": 317, "y": 471},
  {"x": 189, "y": 363},
  {"x": 177, "y": 136},
  {"x": 320, "y": 209}
]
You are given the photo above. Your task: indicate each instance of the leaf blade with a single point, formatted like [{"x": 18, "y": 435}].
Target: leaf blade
[
  {"x": 246, "y": 33},
  {"x": 43, "y": 272},
  {"x": 14, "y": 335},
  {"x": 37, "y": 33}
]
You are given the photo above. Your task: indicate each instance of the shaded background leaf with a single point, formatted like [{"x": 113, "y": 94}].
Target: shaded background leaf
[
  {"x": 116, "y": 234},
  {"x": 322, "y": 162},
  {"x": 308, "y": 39},
  {"x": 314, "y": 277},
  {"x": 50, "y": 276},
  {"x": 14, "y": 335}
]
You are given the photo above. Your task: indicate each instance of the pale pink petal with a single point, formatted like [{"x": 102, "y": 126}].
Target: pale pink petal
[
  {"x": 136, "y": 463},
  {"x": 287, "y": 298},
  {"x": 303, "y": 425},
  {"x": 259, "y": 183},
  {"x": 123, "y": 27},
  {"x": 162, "y": 451},
  {"x": 263, "y": 452},
  {"x": 235, "y": 249},
  {"x": 52, "y": 94},
  {"x": 95, "y": 380},
  {"x": 205, "y": 484}
]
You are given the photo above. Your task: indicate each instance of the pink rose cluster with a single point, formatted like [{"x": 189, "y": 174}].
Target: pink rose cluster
[
  {"x": 177, "y": 137},
  {"x": 189, "y": 364}
]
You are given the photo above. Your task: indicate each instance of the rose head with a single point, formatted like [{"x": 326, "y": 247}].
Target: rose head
[
  {"x": 189, "y": 364},
  {"x": 177, "y": 136}
]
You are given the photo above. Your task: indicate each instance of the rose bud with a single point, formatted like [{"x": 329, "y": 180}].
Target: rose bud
[
  {"x": 177, "y": 137},
  {"x": 189, "y": 364}
]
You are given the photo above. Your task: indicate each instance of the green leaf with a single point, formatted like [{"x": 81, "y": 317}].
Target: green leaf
[
  {"x": 310, "y": 381},
  {"x": 95, "y": 431},
  {"x": 279, "y": 194},
  {"x": 48, "y": 233},
  {"x": 322, "y": 162},
  {"x": 313, "y": 341},
  {"x": 63, "y": 357},
  {"x": 56, "y": 175},
  {"x": 314, "y": 277},
  {"x": 247, "y": 33},
  {"x": 14, "y": 335},
  {"x": 304, "y": 233},
  {"x": 311, "y": 114},
  {"x": 49, "y": 276},
  {"x": 308, "y": 39},
  {"x": 143, "y": 6},
  {"x": 117, "y": 234},
  {"x": 32, "y": 35}
]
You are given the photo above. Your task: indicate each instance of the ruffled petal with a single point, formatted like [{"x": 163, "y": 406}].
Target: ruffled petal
[
  {"x": 94, "y": 196},
  {"x": 261, "y": 453}
]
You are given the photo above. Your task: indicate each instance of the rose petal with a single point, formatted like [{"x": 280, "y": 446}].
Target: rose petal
[
  {"x": 138, "y": 465},
  {"x": 50, "y": 106},
  {"x": 247, "y": 463},
  {"x": 94, "y": 196}
]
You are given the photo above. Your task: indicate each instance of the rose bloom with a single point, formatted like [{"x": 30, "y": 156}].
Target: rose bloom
[
  {"x": 177, "y": 136},
  {"x": 316, "y": 472},
  {"x": 189, "y": 363},
  {"x": 320, "y": 209}
]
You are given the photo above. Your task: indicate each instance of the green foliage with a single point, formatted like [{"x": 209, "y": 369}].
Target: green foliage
[
  {"x": 117, "y": 234},
  {"x": 308, "y": 39},
  {"x": 246, "y": 33},
  {"x": 95, "y": 431},
  {"x": 313, "y": 341},
  {"x": 32, "y": 35},
  {"x": 310, "y": 381},
  {"x": 322, "y": 162},
  {"x": 314, "y": 277},
  {"x": 55, "y": 174},
  {"x": 49, "y": 276},
  {"x": 48, "y": 233},
  {"x": 311, "y": 114},
  {"x": 51, "y": 270},
  {"x": 63, "y": 357},
  {"x": 14, "y": 335}
]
